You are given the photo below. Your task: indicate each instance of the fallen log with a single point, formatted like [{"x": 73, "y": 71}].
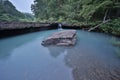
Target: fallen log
[{"x": 99, "y": 25}]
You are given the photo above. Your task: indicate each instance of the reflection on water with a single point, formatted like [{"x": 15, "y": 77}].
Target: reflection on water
[
  {"x": 8, "y": 44},
  {"x": 92, "y": 58},
  {"x": 55, "y": 51}
]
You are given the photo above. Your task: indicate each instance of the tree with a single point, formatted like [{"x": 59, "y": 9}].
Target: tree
[{"x": 77, "y": 10}]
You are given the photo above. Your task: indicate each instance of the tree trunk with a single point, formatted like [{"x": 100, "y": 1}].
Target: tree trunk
[{"x": 105, "y": 16}]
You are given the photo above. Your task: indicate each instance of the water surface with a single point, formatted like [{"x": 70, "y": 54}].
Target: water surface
[{"x": 24, "y": 58}]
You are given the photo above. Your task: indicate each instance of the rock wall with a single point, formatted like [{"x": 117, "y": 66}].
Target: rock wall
[
  {"x": 16, "y": 28},
  {"x": 22, "y": 25}
]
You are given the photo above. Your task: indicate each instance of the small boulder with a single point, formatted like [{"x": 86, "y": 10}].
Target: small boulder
[{"x": 62, "y": 38}]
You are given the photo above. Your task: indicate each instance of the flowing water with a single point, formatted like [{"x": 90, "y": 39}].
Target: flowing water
[
  {"x": 92, "y": 58},
  {"x": 59, "y": 27}
]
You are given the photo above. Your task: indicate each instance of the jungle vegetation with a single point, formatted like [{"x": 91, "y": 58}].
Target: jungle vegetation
[{"x": 93, "y": 12}]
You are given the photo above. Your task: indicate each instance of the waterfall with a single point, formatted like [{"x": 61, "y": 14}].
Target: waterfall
[{"x": 59, "y": 26}]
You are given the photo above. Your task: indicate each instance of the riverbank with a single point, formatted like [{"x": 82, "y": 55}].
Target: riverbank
[{"x": 15, "y": 28}]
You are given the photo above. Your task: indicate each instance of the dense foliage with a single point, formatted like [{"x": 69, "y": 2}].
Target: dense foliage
[
  {"x": 75, "y": 10},
  {"x": 80, "y": 11},
  {"x": 8, "y": 12},
  {"x": 112, "y": 27}
]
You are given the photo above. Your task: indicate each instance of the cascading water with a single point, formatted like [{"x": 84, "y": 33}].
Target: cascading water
[{"x": 59, "y": 26}]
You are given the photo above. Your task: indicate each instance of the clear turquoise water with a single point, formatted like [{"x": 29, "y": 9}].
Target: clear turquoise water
[{"x": 24, "y": 58}]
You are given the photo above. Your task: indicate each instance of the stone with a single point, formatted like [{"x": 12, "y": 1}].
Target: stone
[{"x": 61, "y": 38}]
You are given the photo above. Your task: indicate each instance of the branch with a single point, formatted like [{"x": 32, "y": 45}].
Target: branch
[{"x": 99, "y": 25}]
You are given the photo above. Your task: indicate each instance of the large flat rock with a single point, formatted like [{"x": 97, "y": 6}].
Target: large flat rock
[{"x": 61, "y": 38}]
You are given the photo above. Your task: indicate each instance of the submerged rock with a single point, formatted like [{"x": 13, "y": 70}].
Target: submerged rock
[{"x": 62, "y": 38}]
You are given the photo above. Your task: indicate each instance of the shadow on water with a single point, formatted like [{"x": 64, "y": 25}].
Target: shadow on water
[{"x": 55, "y": 51}]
